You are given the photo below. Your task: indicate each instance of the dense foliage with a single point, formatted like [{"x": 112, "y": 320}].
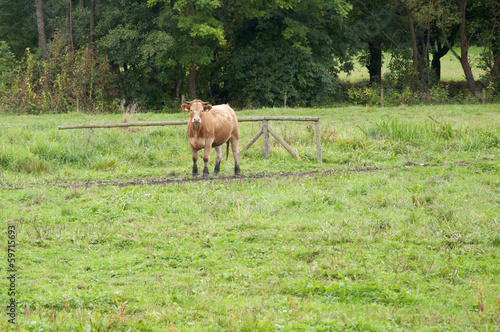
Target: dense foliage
[{"x": 249, "y": 53}]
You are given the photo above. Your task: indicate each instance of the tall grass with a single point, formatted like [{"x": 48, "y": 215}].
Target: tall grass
[{"x": 428, "y": 133}]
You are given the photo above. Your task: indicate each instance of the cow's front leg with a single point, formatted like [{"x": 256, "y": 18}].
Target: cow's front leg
[
  {"x": 206, "y": 155},
  {"x": 195, "y": 160},
  {"x": 218, "y": 158}
]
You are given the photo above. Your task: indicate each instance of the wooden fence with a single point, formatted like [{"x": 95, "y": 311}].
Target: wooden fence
[{"x": 265, "y": 130}]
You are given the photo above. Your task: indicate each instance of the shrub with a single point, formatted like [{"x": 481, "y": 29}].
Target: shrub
[
  {"x": 364, "y": 95},
  {"x": 66, "y": 80},
  {"x": 439, "y": 94}
]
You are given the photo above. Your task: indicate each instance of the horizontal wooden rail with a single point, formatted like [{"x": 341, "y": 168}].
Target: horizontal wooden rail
[
  {"x": 124, "y": 124},
  {"x": 183, "y": 122},
  {"x": 278, "y": 118}
]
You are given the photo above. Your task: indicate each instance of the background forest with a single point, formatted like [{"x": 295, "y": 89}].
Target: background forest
[{"x": 98, "y": 55}]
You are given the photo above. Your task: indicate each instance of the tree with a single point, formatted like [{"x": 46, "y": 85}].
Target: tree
[
  {"x": 18, "y": 25},
  {"x": 40, "y": 17},
  {"x": 441, "y": 47},
  {"x": 197, "y": 33},
  {"x": 92, "y": 25},
  {"x": 285, "y": 47},
  {"x": 464, "y": 46},
  {"x": 135, "y": 39},
  {"x": 488, "y": 22},
  {"x": 432, "y": 27},
  {"x": 69, "y": 23},
  {"x": 372, "y": 24},
  {"x": 420, "y": 16}
]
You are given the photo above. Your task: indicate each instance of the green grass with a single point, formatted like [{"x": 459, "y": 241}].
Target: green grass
[
  {"x": 451, "y": 69},
  {"x": 401, "y": 248}
]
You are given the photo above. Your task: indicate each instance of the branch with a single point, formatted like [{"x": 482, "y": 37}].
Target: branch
[{"x": 447, "y": 43}]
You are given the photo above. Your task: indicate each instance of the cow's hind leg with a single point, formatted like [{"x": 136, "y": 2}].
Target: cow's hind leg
[
  {"x": 218, "y": 158},
  {"x": 195, "y": 160},
  {"x": 236, "y": 155}
]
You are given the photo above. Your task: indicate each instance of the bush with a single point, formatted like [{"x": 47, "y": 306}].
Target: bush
[
  {"x": 372, "y": 95},
  {"x": 66, "y": 80},
  {"x": 439, "y": 94},
  {"x": 365, "y": 95},
  {"x": 401, "y": 72}
]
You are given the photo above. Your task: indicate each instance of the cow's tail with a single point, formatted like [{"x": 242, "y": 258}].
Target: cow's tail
[{"x": 227, "y": 149}]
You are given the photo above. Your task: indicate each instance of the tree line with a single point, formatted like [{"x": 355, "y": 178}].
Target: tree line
[{"x": 72, "y": 54}]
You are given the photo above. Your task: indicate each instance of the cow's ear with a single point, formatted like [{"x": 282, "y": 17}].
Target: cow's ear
[
  {"x": 185, "y": 107},
  {"x": 207, "y": 108}
]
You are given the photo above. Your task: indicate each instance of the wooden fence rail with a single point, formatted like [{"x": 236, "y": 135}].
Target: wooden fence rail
[{"x": 265, "y": 130}]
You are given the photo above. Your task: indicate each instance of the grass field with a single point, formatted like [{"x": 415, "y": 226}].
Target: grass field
[
  {"x": 397, "y": 230},
  {"x": 451, "y": 69}
]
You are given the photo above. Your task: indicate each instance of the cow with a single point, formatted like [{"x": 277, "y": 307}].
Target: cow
[{"x": 211, "y": 126}]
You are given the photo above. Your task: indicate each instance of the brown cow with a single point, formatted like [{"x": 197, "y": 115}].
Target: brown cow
[{"x": 211, "y": 126}]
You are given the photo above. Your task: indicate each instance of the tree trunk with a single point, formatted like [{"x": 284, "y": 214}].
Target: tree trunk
[
  {"x": 40, "y": 19},
  {"x": 413, "y": 37},
  {"x": 464, "y": 49},
  {"x": 81, "y": 3},
  {"x": 494, "y": 71},
  {"x": 441, "y": 51},
  {"x": 92, "y": 25},
  {"x": 69, "y": 23},
  {"x": 178, "y": 88},
  {"x": 436, "y": 66},
  {"x": 192, "y": 82},
  {"x": 192, "y": 75},
  {"x": 425, "y": 56},
  {"x": 375, "y": 65}
]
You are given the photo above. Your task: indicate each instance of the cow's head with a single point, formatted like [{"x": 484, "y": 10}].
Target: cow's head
[{"x": 196, "y": 108}]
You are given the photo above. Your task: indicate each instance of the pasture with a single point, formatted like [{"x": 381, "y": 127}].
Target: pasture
[
  {"x": 398, "y": 229},
  {"x": 451, "y": 69}
]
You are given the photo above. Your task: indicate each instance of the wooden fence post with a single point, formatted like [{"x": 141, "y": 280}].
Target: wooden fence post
[
  {"x": 318, "y": 143},
  {"x": 265, "y": 132},
  {"x": 89, "y": 134}
]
